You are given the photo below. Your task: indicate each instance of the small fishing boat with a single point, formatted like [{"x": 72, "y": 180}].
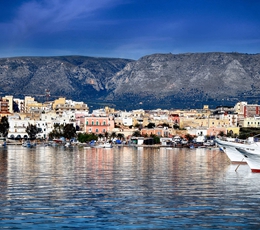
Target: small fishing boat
[
  {"x": 28, "y": 144},
  {"x": 104, "y": 145}
]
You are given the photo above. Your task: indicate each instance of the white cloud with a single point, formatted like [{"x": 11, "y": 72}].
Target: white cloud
[{"x": 51, "y": 16}]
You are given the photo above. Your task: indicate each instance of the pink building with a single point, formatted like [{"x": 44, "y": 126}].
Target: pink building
[
  {"x": 162, "y": 132},
  {"x": 214, "y": 131},
  {"x": 99, "y": 124}
]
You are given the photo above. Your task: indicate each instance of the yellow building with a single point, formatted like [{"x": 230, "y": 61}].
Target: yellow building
[
  {"x": 62, "y": 104},
  {"x": 109, "y": 110},
  {"x": 203, "y": 122},
  {"x": 60, "y": 101},
  {"x": 30, "y": 104},
  {"x": 253, "y": 122},
  {"x": 233, "y": 130}
]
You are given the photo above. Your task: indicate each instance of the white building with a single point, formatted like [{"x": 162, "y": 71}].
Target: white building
[{"x": 17, "y": 127}]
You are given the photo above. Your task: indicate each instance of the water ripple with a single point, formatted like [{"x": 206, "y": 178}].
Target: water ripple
[{"x": 127, "y": 188}]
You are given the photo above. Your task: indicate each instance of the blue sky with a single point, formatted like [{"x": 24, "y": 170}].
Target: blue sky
[{"x": 127, "y": 28}]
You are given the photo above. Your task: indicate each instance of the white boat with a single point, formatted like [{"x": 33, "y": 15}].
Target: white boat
[
  {"x": 107, "y": 145},
  {"x": 252, "y": 158},
  {"x": 250, "y": 151},
  {"x": 3, "y": 144},
  {"x": 67, "y": 144},
  {"x": 209, "y": 143},
  {"x": 104, "y": 145},
  {"x": 233, "y": 155}
]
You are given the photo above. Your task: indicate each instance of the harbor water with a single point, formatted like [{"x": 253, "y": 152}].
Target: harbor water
[{"x": 125, "y": 188}]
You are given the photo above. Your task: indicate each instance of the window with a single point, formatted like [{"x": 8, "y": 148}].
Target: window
[
  {"x": 96, "y": 122},
  {"x": 87, "y": 123},
  {"x": 96, "y": 130},
  {"x": 92, "y": 122},
  {"x": 104, "y": 123}
]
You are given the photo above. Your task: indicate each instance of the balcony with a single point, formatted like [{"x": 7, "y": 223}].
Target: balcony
[{"x": 99, "y": 125}]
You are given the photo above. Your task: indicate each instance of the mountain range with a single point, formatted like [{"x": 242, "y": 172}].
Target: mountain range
[{"x": 164, "y": 81}]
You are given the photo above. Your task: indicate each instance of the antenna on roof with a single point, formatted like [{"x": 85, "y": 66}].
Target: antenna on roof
[{"x": 47, "y": 94}]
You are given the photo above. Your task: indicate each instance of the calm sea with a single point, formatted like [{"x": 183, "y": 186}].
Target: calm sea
[{"x": 125, "y": 188}]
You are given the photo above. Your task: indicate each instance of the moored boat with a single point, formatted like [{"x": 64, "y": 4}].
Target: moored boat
[
  {"x": 104, "y": 145},
  {"x": 28, "y": 144},
  {"x": 252, "y": 158},
  {"x": 233, "y": 155},
  {"x": 230, "y": 149}
]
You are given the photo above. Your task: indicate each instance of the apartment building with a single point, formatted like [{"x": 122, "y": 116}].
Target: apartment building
[{"x": 99, "y": 124}]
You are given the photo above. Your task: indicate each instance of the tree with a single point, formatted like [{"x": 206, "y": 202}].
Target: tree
[
  {"x": 106, "y": 135},
  {"x": 136, "y": 133},
  {"x": 32, "y": 131},
  {"x": 100, "y": 136},
  {"x": 86, "y": 137},
  {"x": 69, "y": 131},
  {"x": 189, "y": 137},
  {"x": 221, "y": 133},
  {"x": 57, "y": 132},
  {"x": 230, "y": 133},
  {"x": 4, "y": 126},
  {"x": 156, "y": 138},
  {"x": 120, "y": 136},
  {"x": 113, "y": 135},
  {"x": 150, "y": 125}
]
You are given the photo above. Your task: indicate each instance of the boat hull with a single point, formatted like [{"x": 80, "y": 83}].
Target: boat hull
[
  {"x": 252, "y": 159},
  {"x": 234, "y": 156}
]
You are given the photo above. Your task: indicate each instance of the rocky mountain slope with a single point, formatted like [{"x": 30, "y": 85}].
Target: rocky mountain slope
[
  {"x": 73, "y": 77},
  {"x": 189, "y": 79},
  {"x": 154, "y": 81}
]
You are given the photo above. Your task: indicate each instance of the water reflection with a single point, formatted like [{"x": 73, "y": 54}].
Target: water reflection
[{"x": 125, "y": 187}]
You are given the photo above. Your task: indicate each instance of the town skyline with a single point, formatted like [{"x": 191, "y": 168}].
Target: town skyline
[{"x": 202, "y": 121}]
